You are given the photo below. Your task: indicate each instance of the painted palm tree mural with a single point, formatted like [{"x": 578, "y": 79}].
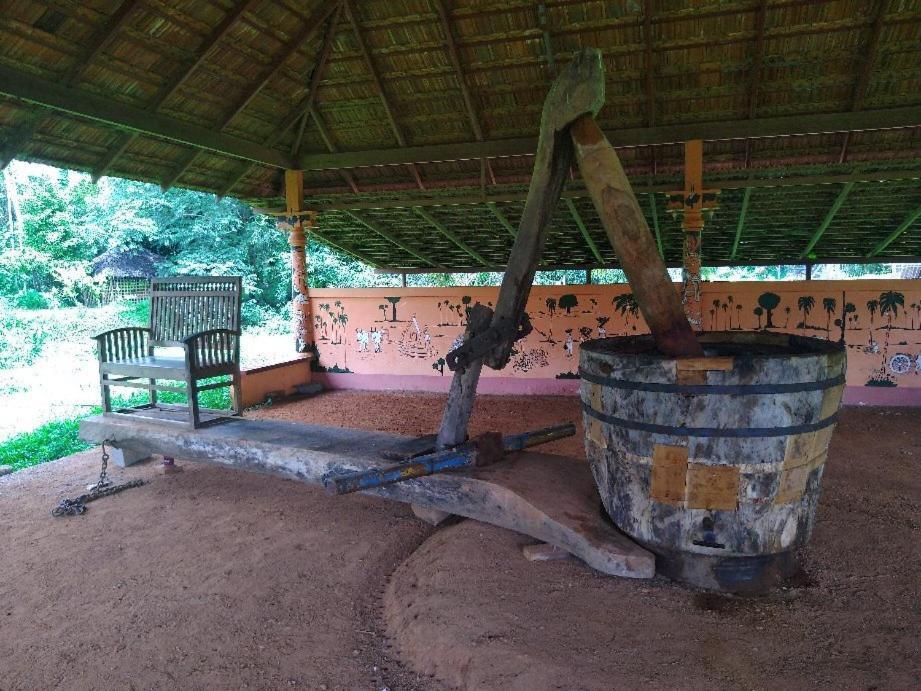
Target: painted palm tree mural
[
  {"x": 787, "y": 310},
  {"x": 626, "y": 304},
  {"x": 393, "y": 303},
  {"x": 714, "y": 315},
  {"x": 551, "y": 306},
  {"x": 804, "y": 304},
  {"x": 872, "y": 307},
  {"x": 727, "y": 308},
  {"x": 829, "y": 305},
  {"x": 758, "y": 312}
]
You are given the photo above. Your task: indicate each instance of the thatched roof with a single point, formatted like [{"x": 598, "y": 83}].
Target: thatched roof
[
  {"x": 126, "y": 263},
  {"x": 391, "y": 104}
]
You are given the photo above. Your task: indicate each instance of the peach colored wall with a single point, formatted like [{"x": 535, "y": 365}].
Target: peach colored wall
[
  {"x": 361, "y": 331},
  {"x": 257, "y": 382}
]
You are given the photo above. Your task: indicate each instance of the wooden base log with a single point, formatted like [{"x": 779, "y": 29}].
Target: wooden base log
[{"x": 635, "y": 246}]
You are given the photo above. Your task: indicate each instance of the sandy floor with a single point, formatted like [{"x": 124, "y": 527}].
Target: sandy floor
[{"x": 220, "y": 578}]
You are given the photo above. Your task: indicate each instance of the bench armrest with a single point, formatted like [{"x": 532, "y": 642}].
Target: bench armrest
[
  {"x": 123, "y": 343},
  {"x": 212, "y": 348}
]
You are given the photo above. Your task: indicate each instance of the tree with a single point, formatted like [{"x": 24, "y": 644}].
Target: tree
[
  {"x": 393, "y": 302},
  {"x": 551, "y": 305},
  {"x": 889, "y": 303},
  {"x": 872, "y": 306},
  {"x": 805, "y": 303},
  {"x": 568, "y": 302},
  {"x": 769, "y": 302},
  {"x": 758, "y": 311},
  {"x": 787, "y": 311},
  {"x": 829, "y": 305}
]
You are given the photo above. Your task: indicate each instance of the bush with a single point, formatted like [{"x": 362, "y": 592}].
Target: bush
[
  {"x": 31, "y": 300},
  {"x": 49, "y": 442}
]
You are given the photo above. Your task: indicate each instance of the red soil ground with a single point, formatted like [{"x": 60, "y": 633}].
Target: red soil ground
[{"x": 220, "y": 578}]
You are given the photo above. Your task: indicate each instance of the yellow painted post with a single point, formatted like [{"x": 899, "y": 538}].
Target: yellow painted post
[{"x": 297, "y": 224}]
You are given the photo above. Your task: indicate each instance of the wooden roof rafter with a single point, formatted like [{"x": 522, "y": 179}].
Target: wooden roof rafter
[
  {"x": 302, "y": 110},
  {"x": 169, "y": 89},
  {"x": 574, "y": 212},
  {"x": 379, "y": 87},
  {"x": 312, "y": 25},
  {"x": 374, "y": 228},
  {"x": 103, "y": 38},
  {"x": 866, "y": 69},
  {"x": 829, "y": 217},
  {"x": 895, "y": 234},
  {"x": 444, "y": 231}
]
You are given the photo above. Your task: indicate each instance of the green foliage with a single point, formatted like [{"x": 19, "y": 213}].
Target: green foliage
[
  {"x": 31, "y": 299},
  {"x": 49, "y": 442}
]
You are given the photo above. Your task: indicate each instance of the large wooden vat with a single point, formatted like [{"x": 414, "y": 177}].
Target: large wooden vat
[{"x": 713, "y": 463}]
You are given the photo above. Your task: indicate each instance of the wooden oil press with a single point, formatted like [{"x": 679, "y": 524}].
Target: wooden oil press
[{"x": 707, "y": 452}]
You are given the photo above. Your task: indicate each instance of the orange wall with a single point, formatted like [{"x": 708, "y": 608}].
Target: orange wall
[{"x": 428, "y": 320}]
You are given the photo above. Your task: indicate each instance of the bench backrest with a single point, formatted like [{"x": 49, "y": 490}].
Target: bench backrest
[{"x": 184, "y": 305}]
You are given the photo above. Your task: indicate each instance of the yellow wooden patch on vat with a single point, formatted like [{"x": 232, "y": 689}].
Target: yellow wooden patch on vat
[
  {"x": 713, "y": 487},
  {"x": 693, "y": 370},
  {"x": 669, "y": 473},
  {"x": 595, "y": 428},
  {"x": 793, "y": 479}
]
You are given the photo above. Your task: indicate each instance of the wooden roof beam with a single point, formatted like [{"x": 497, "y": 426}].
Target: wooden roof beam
[
  {"x": 577, "y": 192},
  {"x": 331, "y": 147},
  {"x": 20, "y": 135},
  {"x": 546, "y": 38},
  {"x": 345, "y": 249},
  {"x": 574, "y": 212},
  {"x": 313, "y": 24},
  {"x": 102, "y": 38},
  {"x": 379, "y": 88},
  {"x": 887, "y": 118},
  {"x": 866, "y": 69},
  {"x": 647, "y": 64},
  {"x": 829, "y": 217},
  {"x": 740, "y": 226},
  {"x": 437, "y": 225},
  {"x": 393, "y": 240},
  {"x": 319, "y": 68},
  {"x": 207, "y": 45},
  {"x": 503, "y": 221},
  {"x": 303, "y": 107},
  {"x": 84, "y": 104},
  {"x": 895, "y": 234},
  {"x": 102, "y": 168}
]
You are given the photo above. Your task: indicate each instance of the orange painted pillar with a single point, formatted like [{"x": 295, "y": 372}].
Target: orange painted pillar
[
  {"x": 297, "y": 224},
  {"x": 692, "y": 224}
]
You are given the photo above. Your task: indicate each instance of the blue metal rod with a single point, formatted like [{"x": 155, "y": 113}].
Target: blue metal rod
[{"x": 453, "y": 459}]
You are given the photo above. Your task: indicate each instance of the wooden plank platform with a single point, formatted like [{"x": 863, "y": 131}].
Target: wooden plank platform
[{"x": 551, "y": 498}]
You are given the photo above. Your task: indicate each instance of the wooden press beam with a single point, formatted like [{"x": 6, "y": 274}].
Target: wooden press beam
[
  {"x": 740, "y": 226},
  {"x": 829, "y": 217},
  {"x": 440, "y": 227},
  {"x": 574, "y": 212},
  {"x": 895, "y": 234},
  {"x": 884, "y": 118},
  {"x": 393, "y": 240}
]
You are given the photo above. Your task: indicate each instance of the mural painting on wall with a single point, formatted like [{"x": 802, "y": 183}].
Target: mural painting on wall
[{"x": 376, "y": 333}]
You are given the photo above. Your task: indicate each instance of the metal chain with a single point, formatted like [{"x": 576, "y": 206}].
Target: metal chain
[{"x": 103, "y": 488}]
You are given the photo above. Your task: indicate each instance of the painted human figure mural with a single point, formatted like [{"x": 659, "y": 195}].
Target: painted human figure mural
[{"x": 881, "y": 327}]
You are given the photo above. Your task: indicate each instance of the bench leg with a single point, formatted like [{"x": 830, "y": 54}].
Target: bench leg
[
  {"x": 193, "y": 400},
  {"x": 153, "y": 393},
  {"x": 106, "y": 394},
  {"x": 237, "y": 394}
]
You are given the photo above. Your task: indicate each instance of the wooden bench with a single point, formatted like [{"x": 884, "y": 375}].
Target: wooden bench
[{"x": 201, "y": 315}]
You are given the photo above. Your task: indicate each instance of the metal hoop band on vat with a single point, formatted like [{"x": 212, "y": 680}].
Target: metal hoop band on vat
[
  {"x": 709, "y": 431},
  {"x": 723, "y": 389}
]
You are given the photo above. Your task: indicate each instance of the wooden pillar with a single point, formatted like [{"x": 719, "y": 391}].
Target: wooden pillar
[
  {"x": 693, "y": 224},
  {"x": 297, "y": 224}
]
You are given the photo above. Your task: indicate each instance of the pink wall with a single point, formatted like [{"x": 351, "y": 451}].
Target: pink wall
[{"x": 355, "y": 330}]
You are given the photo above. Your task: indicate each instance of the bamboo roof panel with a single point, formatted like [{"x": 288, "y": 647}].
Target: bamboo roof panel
[{"x": 712, "y": 61}]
